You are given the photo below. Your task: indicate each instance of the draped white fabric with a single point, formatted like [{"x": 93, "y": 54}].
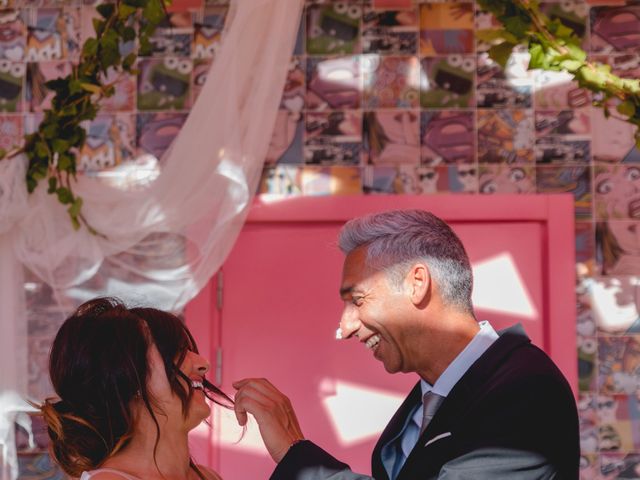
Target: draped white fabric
[{"x": 166, "y": 230}]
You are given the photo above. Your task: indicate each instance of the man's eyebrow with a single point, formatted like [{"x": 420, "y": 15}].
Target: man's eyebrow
[{"x": 345, "y": 291}]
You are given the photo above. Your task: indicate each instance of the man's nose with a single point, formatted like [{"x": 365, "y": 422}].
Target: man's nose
[{"x": 349, "y": 322}]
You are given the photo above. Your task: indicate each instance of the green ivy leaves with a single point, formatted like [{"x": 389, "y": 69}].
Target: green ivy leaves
[
  {"x": 554, "y": 46},
  {"x": 52, "y": 149}
]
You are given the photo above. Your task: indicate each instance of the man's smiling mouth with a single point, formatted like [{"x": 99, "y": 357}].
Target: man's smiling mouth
[{"x": 373, "y": 341}]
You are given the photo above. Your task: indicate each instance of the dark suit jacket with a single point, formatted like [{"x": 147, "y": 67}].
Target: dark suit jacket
[{"x": 511, "y": 415}]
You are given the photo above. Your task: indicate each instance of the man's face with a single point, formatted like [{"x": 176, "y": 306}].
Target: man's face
[{"x": 376, "y": 313}]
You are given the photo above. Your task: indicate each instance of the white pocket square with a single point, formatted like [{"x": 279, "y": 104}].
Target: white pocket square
[{"x": 438, "y": 437}]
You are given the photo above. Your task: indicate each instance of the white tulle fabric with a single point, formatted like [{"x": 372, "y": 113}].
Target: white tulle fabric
[{"x": 161, "y": 238}]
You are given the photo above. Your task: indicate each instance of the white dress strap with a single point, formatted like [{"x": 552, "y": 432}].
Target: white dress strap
[{"x": 89, "y": 475}]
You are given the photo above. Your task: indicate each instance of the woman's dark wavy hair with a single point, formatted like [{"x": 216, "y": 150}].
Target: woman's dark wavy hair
[{"x": 98, "y": 365}]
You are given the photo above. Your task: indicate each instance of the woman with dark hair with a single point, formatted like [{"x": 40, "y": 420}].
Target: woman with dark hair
[{"x": 131, "y": 385}]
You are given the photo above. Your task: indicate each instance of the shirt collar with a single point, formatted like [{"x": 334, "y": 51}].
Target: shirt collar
[{"x": 456, "y": 369}]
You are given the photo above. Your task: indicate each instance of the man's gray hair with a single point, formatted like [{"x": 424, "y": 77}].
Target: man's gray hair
[{"x": 397, "y": 238}]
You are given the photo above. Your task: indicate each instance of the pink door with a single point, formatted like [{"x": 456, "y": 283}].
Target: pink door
[{"x": 280, "y": 309}]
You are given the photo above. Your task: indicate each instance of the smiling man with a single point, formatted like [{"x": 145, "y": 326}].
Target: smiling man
[{"x": 488, "y": 405}]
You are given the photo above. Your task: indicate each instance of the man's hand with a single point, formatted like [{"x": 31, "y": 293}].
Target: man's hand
[{"x": 272, "y": 410}]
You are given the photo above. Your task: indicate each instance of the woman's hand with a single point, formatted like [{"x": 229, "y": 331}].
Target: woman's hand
[{"x": 272, "y": 410}]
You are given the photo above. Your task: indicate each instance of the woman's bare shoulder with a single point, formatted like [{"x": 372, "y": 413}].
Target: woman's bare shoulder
[{"x": 207, "y": 472}]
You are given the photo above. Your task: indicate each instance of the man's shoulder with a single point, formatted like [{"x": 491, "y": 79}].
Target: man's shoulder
[{"x": 513, "y": 354}]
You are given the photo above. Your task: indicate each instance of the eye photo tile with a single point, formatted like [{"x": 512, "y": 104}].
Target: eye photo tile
[
  {"x": 333, "y": 28},
  {"x": 505, "y": 136},
  {"x": 463, "y": 178},
  {"x": 615, "y": 28},
  {"x": 53, "y": 34},
  {"x": 390, "y": 82},
  {"x": 164, "y": 83},
  {"x": 447, "y": 179},
  {"x": 498, "y": 88},
  {"x": 418, "y": 180},
  {"x": 13, "y": 35},
  {"x": 568, "y": 179},
  {"x": 446, "y": 28},
  {"x": 12, "y": 77},
  {"x": 207, "y": 31},
  {"x": 448, "y": 82},
  {"x": 616, "y": 192},
  {"x": 390, "y": 32},
  {"x": 392, "y": 137},
  {"x": 333, "y": 83},
  {"x": 447, "y": 136},
  {"x": 287, "y": 139},
  {"x": 407, "y": 179},
  {"x": 503, "y": 178}
]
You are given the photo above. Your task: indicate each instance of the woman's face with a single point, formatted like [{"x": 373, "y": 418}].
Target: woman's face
[
  {"x": 617, "y": 192},
  {"x": 194, "y": 367}
]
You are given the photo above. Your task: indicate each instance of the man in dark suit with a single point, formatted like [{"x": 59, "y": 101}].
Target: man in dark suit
[{"x": 488, "y": 405}]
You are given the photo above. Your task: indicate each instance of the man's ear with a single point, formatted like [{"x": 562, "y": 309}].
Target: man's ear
[{"x": 418, "y": 282}]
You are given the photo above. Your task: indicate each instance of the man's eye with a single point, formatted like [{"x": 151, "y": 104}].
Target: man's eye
[{"x": 357, "y": 301}]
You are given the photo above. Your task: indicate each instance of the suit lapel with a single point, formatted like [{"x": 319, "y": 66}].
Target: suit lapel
[
  {"x": 459, "y": 400},
  {"x": 391, "y": 430}
]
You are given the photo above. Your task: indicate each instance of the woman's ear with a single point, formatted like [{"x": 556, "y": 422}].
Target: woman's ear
[{"x": 418, "y": 282}]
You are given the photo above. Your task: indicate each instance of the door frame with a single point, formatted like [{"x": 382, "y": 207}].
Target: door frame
[{"x": 555, "y": 212}]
